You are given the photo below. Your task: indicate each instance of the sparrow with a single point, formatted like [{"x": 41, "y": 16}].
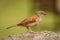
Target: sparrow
[{"x": 31, "y": 21}]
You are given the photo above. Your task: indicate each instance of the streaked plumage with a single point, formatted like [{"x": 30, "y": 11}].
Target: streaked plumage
[{"x": 31, "y": 21}]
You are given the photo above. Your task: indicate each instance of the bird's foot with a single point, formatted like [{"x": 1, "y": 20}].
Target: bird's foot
[{"x": 32, "y": 32}]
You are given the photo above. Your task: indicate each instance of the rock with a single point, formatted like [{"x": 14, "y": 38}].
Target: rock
[{"x": 45, "y": 35}]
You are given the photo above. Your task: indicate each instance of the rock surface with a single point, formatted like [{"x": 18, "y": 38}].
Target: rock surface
[{"x": 45, "y": 35}]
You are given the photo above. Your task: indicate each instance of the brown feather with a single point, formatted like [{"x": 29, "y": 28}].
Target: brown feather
[{"x": 28, "y": 20}]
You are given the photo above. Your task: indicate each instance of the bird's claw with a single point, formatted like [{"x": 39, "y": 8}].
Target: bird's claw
[{"x": 32, "y": 32}]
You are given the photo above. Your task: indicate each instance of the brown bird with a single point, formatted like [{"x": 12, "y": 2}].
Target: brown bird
[{"x": 31, "y": 21}]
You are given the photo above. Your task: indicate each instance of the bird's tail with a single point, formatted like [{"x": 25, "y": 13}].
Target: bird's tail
[{"x": 11, "y": 26}]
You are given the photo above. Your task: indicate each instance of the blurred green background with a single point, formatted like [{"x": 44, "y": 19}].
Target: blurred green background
[{"x": 14, "y": 11}]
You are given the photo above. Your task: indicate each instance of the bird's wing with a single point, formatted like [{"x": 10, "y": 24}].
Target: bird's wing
[{"x": 28, "y": 20}]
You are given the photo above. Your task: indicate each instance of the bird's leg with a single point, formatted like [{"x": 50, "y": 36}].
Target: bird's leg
[{"x": 29, "y": 29}]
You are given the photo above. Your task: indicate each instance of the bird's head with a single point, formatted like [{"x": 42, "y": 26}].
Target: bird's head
[{"x": 40, "y": 13}]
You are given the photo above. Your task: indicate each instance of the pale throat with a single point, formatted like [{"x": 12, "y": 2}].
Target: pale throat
[{"x": 40, "y": 17}]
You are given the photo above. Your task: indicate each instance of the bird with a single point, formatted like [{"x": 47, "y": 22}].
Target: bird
[{"x": 31, "y": 21}]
